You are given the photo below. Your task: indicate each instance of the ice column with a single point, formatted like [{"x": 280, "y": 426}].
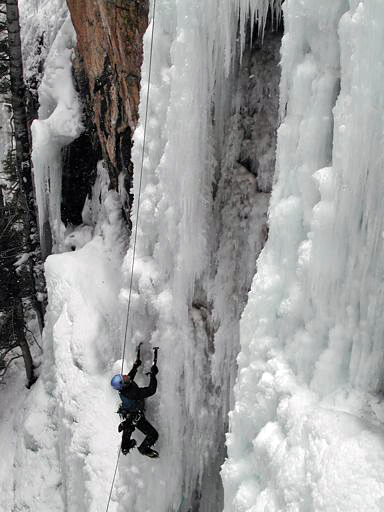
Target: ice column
[{"x": 59, "y": 124}]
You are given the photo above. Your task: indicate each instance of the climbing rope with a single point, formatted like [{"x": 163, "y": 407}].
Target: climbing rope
[
  {"x": 139, "y": 190},
  {"x": 113, "y": 480},
  {"x": 135, "y": 229}
]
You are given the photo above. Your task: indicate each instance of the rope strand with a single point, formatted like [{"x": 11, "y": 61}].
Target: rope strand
[
  {"x": 135, "y": 231},
  {"x": 139, "y": 190},
  {"x": 113, "y": 480}
]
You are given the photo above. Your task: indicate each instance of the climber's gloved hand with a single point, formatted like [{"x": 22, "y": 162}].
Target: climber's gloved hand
[{"x": 154, "y": 370}]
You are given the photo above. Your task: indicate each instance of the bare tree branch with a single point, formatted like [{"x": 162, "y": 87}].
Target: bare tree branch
[
  {"x": 5, "y": 351},
  {"x": 3, "y": 371},
  {"x": 34, "y": 337}
]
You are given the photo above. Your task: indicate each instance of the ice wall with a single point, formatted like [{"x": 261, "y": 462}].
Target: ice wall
[
  {"x": 56, "y": 455},
  {"x": 59, "y": 439},
  {"x": 194, "y": 49},
  {"x": 64, "y": 452},
  {"x": 305, "y": 431}
]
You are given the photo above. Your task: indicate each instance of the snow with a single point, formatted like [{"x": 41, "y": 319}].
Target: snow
[
  {"x": 62, "y": 457},
  {"x": 301, "y": 373}
]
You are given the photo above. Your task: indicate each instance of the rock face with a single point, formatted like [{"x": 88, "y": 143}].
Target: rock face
[{"x": 108, "y": 66}]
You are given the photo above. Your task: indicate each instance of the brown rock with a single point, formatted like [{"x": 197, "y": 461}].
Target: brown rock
[{"x": 110, "y": 54}]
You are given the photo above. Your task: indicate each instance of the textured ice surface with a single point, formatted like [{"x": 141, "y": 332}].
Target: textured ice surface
[
  {"x": 305, "y": 428},
  {"x": 306, "y": 423}
]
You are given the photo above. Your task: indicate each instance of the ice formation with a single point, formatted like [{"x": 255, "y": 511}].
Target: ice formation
[
  {"x": 59, "y": 123},
  {"x": 305, "y": 429}
]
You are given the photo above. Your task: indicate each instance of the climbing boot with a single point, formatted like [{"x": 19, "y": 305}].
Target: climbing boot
[
  {"x": 149, "y": 452},
  {"x": 126, "y": 449}
]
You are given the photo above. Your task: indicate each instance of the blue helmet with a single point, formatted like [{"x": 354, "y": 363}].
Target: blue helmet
[{"x": 117, "y": 382}]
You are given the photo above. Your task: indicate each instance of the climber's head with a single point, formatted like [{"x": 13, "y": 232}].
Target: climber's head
[{"x": 117, "y": 382}]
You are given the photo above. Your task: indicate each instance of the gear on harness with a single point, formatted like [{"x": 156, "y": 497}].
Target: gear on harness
[{"x": 130, "y": 418}]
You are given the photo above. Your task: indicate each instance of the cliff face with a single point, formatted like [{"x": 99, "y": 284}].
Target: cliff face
[{"x": 108, "y": 66}]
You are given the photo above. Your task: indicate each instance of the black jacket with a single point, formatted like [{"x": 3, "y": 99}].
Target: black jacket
[{"x": 133, "y": 392}]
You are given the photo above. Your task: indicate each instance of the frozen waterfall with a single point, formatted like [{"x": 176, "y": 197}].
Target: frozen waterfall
[
  {"x": 306, "y": 428},
  {"x": 258, "y": 272}
]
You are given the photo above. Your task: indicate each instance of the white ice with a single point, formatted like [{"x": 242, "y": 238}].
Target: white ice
[
  {"x": 58, "y": 124},
  {"x": 305, "y": 430}
]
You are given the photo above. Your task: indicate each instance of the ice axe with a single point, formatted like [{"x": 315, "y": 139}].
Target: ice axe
[
  {"x": 138, "y": 351},
  {"x": 155, "y": 350}
]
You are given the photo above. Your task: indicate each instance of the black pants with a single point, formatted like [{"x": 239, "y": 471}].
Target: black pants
[{"x": 144, "y": 426}]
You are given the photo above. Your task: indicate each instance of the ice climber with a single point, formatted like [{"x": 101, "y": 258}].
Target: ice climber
[{"x": 132, "y": 407}]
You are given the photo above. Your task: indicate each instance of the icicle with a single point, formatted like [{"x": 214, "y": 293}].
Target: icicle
[{"x": 59, "y": 124}]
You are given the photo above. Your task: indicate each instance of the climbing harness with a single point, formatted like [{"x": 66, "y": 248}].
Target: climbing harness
[
  {"x": 135, "y": 231},
  {"x": 132, "y": 418}
]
